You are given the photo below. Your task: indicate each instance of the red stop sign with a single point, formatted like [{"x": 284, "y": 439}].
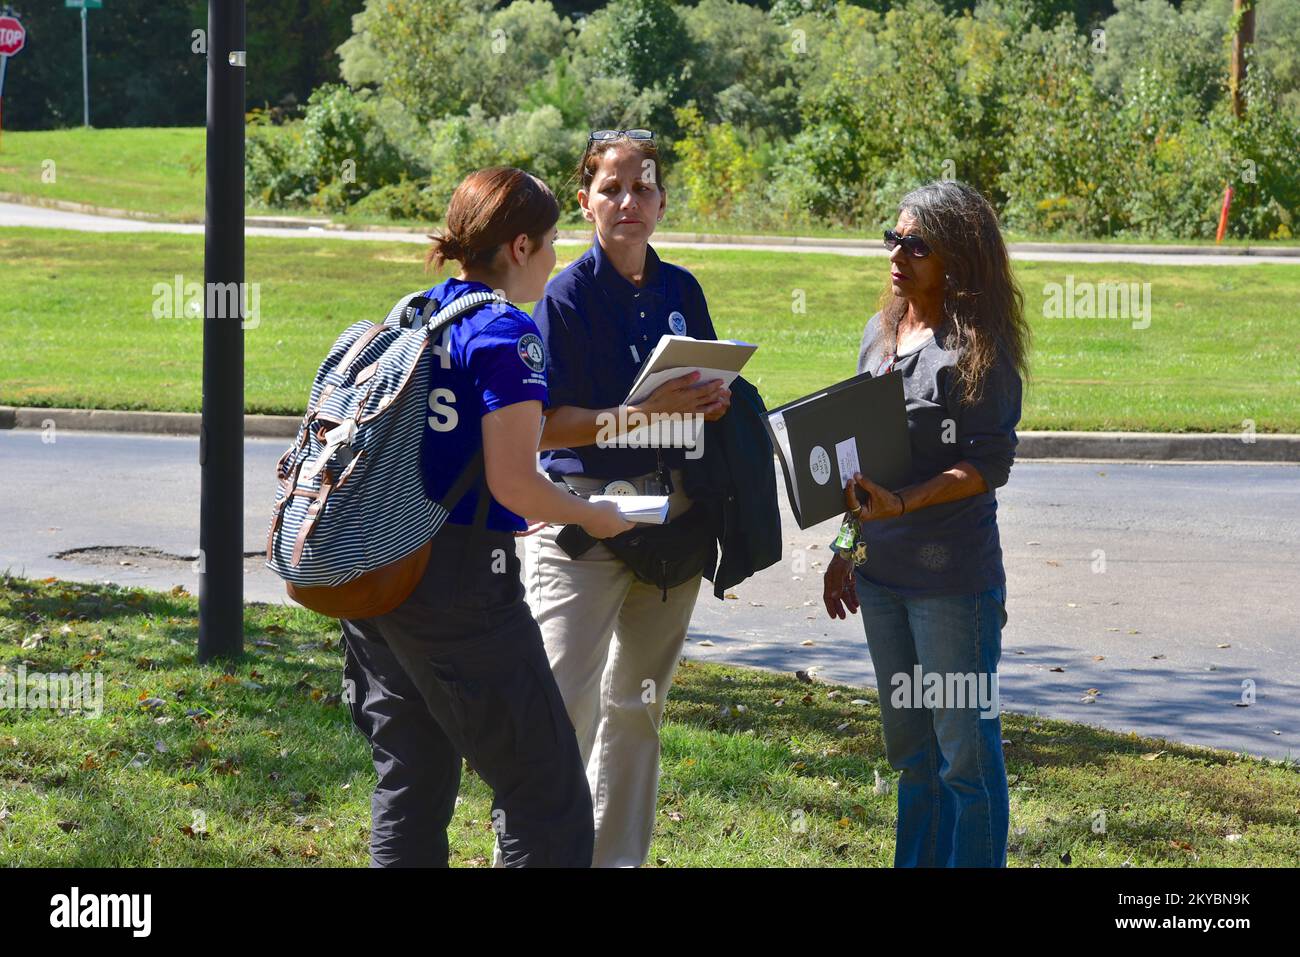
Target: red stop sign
[{"x": 12, "y": 36}]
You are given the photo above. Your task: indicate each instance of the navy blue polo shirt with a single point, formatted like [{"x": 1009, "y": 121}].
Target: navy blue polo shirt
[
  {"x": 599, "y": 329},
  {"x": 486, "y": 361}
]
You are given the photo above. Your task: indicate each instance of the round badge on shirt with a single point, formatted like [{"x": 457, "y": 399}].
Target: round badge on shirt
[
  {"x": 677, "y": 323},
  {"x": 532, "y": 353}
]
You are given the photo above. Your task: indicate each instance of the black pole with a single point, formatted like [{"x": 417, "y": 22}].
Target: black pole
[{"x": 221, "y": 440}]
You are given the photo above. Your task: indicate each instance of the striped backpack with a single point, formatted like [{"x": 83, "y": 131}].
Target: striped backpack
[{"x": 351, "y": 525}]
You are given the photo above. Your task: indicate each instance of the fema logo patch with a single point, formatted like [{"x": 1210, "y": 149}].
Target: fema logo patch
[
  {"x": 677, "y": 323},
  {"x": 532, "y": 353}
]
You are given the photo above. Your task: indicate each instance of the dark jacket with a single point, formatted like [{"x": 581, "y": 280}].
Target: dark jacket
[{"x": 736, "y": 479}]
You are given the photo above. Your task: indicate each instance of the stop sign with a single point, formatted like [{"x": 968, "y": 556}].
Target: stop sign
[{"x": 12, "y": 36}]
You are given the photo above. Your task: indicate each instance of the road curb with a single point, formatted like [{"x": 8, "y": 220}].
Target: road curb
[{"x": 1117, "y": 446}]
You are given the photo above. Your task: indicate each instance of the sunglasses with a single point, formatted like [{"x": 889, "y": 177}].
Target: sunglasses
[
  {"x": 602, "y": 136},
  {"x": 915, "y": 245}
]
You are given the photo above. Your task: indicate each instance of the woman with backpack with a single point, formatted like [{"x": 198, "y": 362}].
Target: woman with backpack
[{"x": 459, "y": 670}]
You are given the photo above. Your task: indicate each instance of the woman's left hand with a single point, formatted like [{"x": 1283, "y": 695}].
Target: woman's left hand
[
  {"x": 532, "y": 529},
  {"x": 719, "y": 407},
  {"x": 880, "y": 503}
]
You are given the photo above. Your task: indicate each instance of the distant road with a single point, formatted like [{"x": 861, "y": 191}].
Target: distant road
[{"x": 16, "y": 214}]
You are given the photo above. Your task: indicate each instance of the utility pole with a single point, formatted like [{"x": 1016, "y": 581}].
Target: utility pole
[
  {"x": 1243, "y": 35},
  {"x": 221, "y": 439}
]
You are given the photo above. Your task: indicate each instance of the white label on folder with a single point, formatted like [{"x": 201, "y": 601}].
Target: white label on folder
[
  {"x": 819, "y": 463},
  {"x": 846, "y": 456}
]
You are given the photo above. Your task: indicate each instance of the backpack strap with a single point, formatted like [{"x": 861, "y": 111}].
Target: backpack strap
[
  {"x": 471, "y": 473},
  {"x": 461, "y": 307}
]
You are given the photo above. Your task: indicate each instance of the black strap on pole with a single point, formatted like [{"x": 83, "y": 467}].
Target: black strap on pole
[{"x": 221, "y": 440}]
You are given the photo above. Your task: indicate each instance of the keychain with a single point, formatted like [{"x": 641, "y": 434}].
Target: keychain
[{"x": 847, "y": 544}]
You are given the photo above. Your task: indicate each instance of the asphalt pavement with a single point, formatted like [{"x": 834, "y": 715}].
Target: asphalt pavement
[{"x": 1165, "y": 587}]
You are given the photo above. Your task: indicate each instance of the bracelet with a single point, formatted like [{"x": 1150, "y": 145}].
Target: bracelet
[{"x": 901, "y": 504}]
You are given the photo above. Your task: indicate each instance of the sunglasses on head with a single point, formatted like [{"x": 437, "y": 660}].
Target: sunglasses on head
[
  {"x": 601, "y": 136},
  {"x": 915, "y": 245}
]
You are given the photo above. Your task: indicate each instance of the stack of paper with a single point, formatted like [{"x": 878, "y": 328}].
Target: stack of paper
[
  {"x": 646, "y": 509},
  {"x": 676, "y": 356}
]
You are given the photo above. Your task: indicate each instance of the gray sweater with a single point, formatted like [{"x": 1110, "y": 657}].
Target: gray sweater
[{"x": 953, "y": 548}]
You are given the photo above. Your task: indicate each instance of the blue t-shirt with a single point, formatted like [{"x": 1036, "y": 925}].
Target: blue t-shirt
[
  {"x": 486, "y": 361},
  {"x": 599, "y": 329}
]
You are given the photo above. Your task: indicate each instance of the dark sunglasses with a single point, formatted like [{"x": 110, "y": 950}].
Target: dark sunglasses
[
  {"x": 601, "y": 136},
  {"x": 915, "y": 245}
]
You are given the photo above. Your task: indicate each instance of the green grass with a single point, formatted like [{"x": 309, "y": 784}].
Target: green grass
[
  {"x": 158, "y": 172},
  {"x": 76, "y": 317},
  {"x": 758, "y": 769}
]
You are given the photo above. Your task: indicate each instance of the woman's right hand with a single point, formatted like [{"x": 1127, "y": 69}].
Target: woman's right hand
[
  {"x": 837, "y": 588},
  {"x": 685, "y": 395},
  {"x": 605, "y": 521}
]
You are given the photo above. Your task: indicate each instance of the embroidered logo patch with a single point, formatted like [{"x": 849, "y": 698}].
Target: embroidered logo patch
[
  {"x": 677, "y": 323},
  {"x": 532, "y": 353}
]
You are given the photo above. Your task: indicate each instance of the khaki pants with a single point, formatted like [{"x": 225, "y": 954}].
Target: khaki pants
[{"x": 614, "y": 645}]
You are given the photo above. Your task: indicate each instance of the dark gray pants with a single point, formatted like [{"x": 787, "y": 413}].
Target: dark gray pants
[{"x": 459, "y": 670}]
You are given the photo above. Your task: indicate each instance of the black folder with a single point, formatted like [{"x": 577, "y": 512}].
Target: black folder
[{"x": 818, "y": 437}]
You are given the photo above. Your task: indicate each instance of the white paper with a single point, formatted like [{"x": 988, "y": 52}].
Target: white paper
[
  {"x": 655, "y": 379},
  {"x": 675, "y": 356},
  {"x": 846, "y": 456},
  {"x": 777, "y": 421},
  {"x": 646, "y": 509}
]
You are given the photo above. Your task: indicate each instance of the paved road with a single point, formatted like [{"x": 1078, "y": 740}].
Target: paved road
[
  {"x": 16, "y": 214},
  {"x": 1196, "y": 556}
]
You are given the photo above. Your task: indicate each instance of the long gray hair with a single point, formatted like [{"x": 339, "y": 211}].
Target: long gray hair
[{"x": 983, "y": 304}]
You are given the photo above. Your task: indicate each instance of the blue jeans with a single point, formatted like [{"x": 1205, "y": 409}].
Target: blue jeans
[{"x": 953, "y": 806}]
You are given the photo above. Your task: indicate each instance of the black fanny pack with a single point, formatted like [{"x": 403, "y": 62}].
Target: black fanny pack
[{"x": 665, "y": 555}]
